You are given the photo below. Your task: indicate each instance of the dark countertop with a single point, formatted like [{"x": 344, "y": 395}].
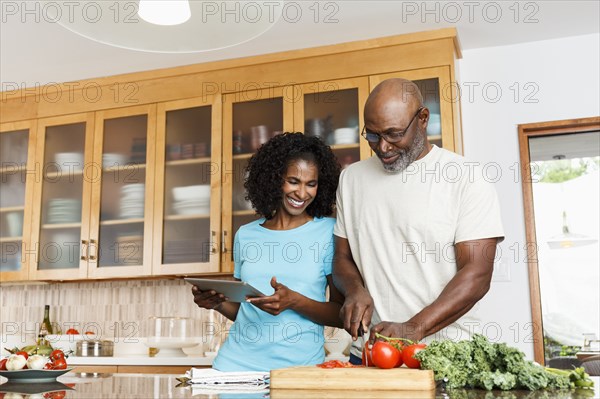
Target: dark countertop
[{"x": 142, "y": 386}]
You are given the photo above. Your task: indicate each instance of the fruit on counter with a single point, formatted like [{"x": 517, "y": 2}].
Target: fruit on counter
[
  {"x": 385, "y": 355},
  {"x": 408, "y": 353},
  {"x": 404, "y": 354},
  {"x": 367, "y": 359},
  {"x": 479, "y": 363},
  {"x": 33, "y": 350},
  {"x": 36, "y": 362},
  {"x": 72, "y": 331},
  {"x": 57, "y": 361},
  {"x": 16, "y": 362},
  {"x": 336, "y": 364}
]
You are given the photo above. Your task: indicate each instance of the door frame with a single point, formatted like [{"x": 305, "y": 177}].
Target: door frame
[{"x": 527, "y": 131}]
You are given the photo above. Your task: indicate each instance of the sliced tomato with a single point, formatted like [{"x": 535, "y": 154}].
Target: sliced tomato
[
  {"x": 3, "y": 364},
  {"x": 335, "y": 364},
  {"x": 367, "y": 359},
  {"x": 408, "y": 353}
]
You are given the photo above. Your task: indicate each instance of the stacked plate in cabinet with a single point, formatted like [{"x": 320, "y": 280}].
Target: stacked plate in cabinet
[
  {"x": 191, "y": 200},
  {"x": 63, "y": 210},
  {"x": 132, "y": 201},
  {"x": 185, "y": 251},
  {"x": 345, "y": 135},
  {"x": 130, "y": 250}
]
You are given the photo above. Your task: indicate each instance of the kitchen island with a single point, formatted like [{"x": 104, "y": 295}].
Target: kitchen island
[{"x": 140, "y": 386}]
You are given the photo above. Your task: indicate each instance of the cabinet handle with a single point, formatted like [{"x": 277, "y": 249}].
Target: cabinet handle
[
  {"x": 213, "y": 248},
  {"x": 84, "y": 250},
  {"x": 93, "y": 244},
  {"x": 223, "y": 246}
]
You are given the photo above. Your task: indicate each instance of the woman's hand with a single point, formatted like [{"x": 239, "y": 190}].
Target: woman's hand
[
  {"x": 282, "y": 299},
  {"x": 209, "y": 299}
]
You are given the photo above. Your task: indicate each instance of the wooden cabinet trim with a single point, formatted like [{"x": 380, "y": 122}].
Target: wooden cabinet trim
[{"x": 311, "y": 65}]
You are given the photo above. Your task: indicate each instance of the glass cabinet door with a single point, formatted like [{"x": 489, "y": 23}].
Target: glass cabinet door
[
  {"x": 441, "y": 97},
  {"x": 249, "y": 119},
  {"x": 17, "y": 146},
  {"x": 62, "y": 197},
  {"x": 121, "y": 227},
  {"x": 332, "y": 111},
  {"x": 187, "y": 188}
]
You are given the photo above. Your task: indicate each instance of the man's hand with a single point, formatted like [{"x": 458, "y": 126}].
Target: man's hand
[
  {"x": 282, "y": 299},
  {"x": 209, "y": 299},
  {"x": 357, "y": 312},
  {"x": 407, "y": 330}
]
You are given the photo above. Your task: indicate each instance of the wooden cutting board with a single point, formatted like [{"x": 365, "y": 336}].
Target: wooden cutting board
[
  {"x": 346, "y": 394},
  {"x": 359, "y": 378}
]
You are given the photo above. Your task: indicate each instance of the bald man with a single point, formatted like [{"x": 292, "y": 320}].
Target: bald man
[{"x": 416, "y": 232}]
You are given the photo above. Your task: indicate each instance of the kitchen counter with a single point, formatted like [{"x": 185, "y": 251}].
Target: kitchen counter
[
  {"x": 124, "y": 386},
  {"x": 140, "y": 360}
]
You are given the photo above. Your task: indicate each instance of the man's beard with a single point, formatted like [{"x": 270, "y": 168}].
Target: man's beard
[{"x": 406, "y": 157}]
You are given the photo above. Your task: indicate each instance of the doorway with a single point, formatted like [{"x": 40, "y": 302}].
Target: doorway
[{"x": 560, "y": 162}]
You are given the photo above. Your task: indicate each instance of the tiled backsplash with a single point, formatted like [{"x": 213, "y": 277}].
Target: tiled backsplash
[{"x": 102, "y": 307}]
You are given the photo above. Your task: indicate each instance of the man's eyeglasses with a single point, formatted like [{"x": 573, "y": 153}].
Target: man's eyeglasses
[{"x": 391, "y": 137}]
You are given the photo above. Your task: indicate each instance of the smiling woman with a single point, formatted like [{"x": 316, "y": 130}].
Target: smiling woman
[{"x": 287, "y": 254}]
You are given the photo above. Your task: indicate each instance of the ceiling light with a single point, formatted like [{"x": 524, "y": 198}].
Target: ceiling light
[
  {"x": 164, "y": 12},
  {"x": 568, "y": 239}
]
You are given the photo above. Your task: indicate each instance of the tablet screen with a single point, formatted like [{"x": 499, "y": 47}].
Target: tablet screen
[{"x": 236, "y": 291}]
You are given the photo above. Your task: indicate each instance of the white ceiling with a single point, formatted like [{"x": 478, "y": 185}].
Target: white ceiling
[
  {"x": 565, "y": 146},
  {"x": 36, "y": 51}
]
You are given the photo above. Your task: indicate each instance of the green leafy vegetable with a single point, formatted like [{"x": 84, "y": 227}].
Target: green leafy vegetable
[{"x": 480, "y": 363}]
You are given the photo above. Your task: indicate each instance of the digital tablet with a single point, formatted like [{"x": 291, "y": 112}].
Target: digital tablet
[{"x": 236, "y": 291}]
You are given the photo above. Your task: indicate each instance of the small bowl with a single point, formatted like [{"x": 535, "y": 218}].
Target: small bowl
[{"x": 68, "y": 342}]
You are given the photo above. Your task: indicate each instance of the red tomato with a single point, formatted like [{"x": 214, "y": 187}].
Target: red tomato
[
  {"x": 367, "y": 359},
  {"x": 385, "y": 355},
  {"x": 23, "y": 353},
  {"x": 60, "y": 364},
  {"x": 407, "y": 355},
  {"x": 57, "y": 354},
  {"x": 49, "y": 366},
  {"x": 3, "y": 364},
  {"x": 55, "y": 395},
  {"x": 400, "y": 359},
  {"x": 72, "y": 331}
]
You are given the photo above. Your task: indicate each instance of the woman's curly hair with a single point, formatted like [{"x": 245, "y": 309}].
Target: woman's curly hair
[{"x": 266, "y": 169}]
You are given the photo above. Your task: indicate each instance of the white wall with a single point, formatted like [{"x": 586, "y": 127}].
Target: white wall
[{"x": 556, "y": 79}]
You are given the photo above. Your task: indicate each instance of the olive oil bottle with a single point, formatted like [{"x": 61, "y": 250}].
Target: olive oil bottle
[{"x": 45, "y": 327}]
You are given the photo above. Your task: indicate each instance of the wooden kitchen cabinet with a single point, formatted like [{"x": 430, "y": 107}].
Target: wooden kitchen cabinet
[
  {"x": 17, "y": 157},
  {"x": 194, "y": 126},
  {"x": 61, "y": 203},
  {"x": 250, "y": 118},
  {"x": 187, "y": 198},
  {"x": 440, "y": 94},
  {"x": 89, "y": 205}
]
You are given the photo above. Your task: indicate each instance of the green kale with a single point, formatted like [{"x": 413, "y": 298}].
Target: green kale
[
  {"x": 497, "y": 379},
  {"x": 532, "y": 376},
  {"x": 482, "y": 364}
]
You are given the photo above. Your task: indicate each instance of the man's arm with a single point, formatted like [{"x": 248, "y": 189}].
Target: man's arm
[
  {"x": 358, "y": 304},
  {"x": 475, "y": 263}
]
